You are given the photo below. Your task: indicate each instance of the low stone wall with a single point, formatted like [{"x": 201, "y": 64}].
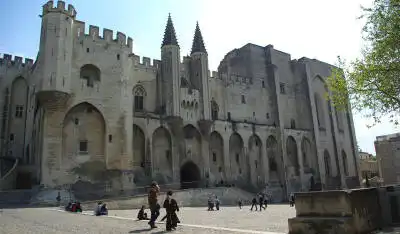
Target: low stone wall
[
  {"x": 190, "y": 197},
  {"x": 342, "y": 211}
]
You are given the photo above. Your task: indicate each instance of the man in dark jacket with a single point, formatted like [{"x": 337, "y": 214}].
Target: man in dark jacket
[{"x": 153, "y": 203}]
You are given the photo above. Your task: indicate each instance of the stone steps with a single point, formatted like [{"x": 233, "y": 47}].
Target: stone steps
[{"x": 15, "y": 197}]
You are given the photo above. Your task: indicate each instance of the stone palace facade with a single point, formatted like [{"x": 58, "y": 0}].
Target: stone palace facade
[{"x": 90, "y": 111}]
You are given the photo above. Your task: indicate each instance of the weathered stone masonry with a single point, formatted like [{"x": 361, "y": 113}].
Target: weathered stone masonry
[{"x": 93, "y": 112}]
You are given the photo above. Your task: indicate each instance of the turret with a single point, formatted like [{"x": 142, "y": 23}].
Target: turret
[
  {"x": 56, "y": 46},
  {"x": 170, "y": 60},
  {"x": 199, "y": 71}
]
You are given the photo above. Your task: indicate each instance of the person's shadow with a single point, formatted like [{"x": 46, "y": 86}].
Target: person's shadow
[{"x": 146, "y": 230}]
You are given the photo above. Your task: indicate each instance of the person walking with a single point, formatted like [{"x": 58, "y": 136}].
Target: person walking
[{"x": 153, "y": 204}]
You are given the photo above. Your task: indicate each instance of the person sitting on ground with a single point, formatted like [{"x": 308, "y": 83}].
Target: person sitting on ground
[
  {"x": 101, "y": 209},
  {"x": 76, "y": 207},
  {"x": 68, "y": 207},
  {"x": 171, "y": 207},
  {"x": 142, "y": 215}
]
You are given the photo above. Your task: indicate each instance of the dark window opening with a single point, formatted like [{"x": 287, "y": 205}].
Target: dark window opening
[
  {"x": 117, "y": 56},
  {"x": 240, "y": 170},
  {"x": 237, "y": 158},
  {"x": 282, "y": 88},
  {"x": 110, "y": 138},
  {"x": 83, "y": 146},
  {"x": 19, "y": 111},
  {"x": 256, "y": 163},
  {"x": 263, "y": 84},
  {"x": 11, "y": 137},
  {"x": 267, "y": 115},
  {"x": 87, "y": 50},
  {"x": 229, "y": 116},
  {"x": 138, "y": 103},
  {"x": 76, "y": 121},
  {"x": 214, "y": 157},
  {"x": 292, "y": 124},
  {"x": 219, "y": 169},
  {"x": 243, "y": 100},
  {"x": 254, "y": 114}
]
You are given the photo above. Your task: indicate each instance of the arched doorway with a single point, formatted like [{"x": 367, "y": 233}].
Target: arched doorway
[
  {"x": 217, "y": 163},
  {"x": 237, "y": 160},
  {"x": 255, "y": 160},
  {"x": 162, "y": 155},
  {"x": 291, "y": 151},
  {"x": 138, "y": 147},
  {"x": 83, "y": 143},
  {"x": 190, "y": 175}
]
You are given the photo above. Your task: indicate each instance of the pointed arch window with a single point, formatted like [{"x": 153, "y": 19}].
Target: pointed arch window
[
  {"x": 327, "y": 160},
  {"x": 139, "y": 94},
  {"x": 214, "y": 110}
]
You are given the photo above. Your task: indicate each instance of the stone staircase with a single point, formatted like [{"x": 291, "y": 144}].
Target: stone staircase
[
  {"x": 15, "y": 198},
  {"x": 8, "y": 177},
  {"x": 189, "y": 197}
]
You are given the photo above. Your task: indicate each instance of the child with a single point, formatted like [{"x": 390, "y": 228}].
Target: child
[
  {"x": 171, "y": 207},
  {"x": 142, "y": 215}
]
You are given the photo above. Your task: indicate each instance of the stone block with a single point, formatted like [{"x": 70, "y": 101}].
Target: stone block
[
  {"x": 320, "y": 225},
  {"x": 345, "y": 211}
]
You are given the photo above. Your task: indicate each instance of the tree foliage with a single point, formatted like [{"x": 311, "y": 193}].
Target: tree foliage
[{"x": 372, "y": 82}]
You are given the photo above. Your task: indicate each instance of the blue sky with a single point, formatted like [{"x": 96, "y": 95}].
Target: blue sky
[{"x": 312, "y": 28}]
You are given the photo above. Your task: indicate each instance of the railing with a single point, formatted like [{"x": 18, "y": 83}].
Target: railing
[{"x": 8, "y": 181}]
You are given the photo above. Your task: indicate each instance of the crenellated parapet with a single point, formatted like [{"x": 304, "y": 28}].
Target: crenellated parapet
[
  {"x": 18, "y": 62},
  {"x": 49, "y": 7},
  {"x": 145, "y": 62},
  {"x": 108, "y": 35}
]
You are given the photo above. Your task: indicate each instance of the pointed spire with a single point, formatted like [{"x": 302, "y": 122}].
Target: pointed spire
[
  {"x": 169, "y": 34},
  {"x": 198, "y": 43}
]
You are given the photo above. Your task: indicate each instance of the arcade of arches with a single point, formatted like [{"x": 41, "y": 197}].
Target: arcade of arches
[{"x": 195, "y": 159}]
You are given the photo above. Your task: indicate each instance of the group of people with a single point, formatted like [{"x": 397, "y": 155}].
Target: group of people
[
  {"x": 170, "y": 205},
  {"x": 73, "y": 207},
  {"x": 213, "y": 202},
  {"x": 262, "y": 201}
]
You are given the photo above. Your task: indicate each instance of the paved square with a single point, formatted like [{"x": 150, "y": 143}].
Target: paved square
[
  {"x": 194, "y": 220},
  {"x": 273, "y": 219}
]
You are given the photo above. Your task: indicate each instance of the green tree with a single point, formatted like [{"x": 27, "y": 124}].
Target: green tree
[{"x": 372, "y": 82}]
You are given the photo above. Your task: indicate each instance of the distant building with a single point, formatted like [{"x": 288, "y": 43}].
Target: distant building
[
  {"x": 387, "y": 149},
  {"x": 368, "y": 165}
]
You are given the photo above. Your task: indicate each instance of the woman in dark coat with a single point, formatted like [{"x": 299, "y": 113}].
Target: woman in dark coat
[{"x": 171, "y": 207}]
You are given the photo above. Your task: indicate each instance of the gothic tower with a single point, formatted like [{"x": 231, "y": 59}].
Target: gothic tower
[
  {"x": 55, "y": 52},
  {"x": 170, "y": 62},
  {"x": 199, "y": 71}
]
